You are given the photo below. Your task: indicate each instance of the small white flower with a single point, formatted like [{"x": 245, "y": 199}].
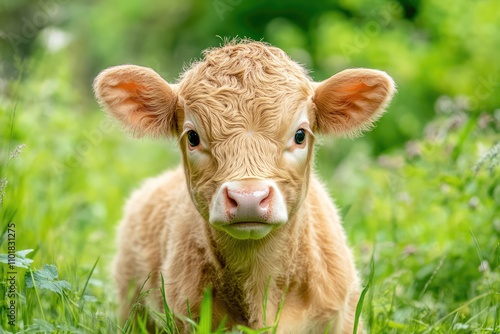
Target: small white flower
[
  {"x": 474, "y": 202},
  {"x": 3, "y": 184},
  {"x": 17, "y": 151},
  {"x": 484, "y": 266}
]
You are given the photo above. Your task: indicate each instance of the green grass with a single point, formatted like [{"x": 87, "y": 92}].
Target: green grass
[{"x": 424, "y": 222}]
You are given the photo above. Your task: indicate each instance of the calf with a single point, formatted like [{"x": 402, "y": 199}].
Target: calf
[{"x": 245, "y": 213}]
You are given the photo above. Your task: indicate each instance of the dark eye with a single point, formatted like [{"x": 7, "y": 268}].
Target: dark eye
[
  {"x": 193, "y": 138},
  {"x": 300, "y": 136}
]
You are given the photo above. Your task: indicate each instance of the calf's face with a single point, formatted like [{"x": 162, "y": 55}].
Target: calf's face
[{"x": 246, "y": 118}]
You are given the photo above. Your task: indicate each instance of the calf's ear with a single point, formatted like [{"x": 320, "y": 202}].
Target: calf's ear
[
  {"x": 139, "y": 98},
  {"x": 350, "y": 101}
]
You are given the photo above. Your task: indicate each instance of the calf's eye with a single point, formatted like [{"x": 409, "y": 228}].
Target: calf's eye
[
  {"x": 193, "y": 138},
  {"x": 300, "y": 136}
]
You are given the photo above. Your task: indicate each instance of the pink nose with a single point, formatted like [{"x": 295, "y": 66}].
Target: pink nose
[{"x": 248, "y": 204}]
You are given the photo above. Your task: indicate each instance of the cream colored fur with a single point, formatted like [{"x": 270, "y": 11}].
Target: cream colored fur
[{"x": 244, "y": 100}]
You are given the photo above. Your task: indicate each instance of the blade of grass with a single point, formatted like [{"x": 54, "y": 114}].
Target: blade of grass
[
  {"x": 461, "y": 307},
  {"x": 37, "y": 295},
  {"x": 359, "y": 306},
  {"x": 464, "y": 134},
  {"x": 67, "y": 299},
  {"x": 481, "y": 258},
  {"x": 142, "y": 323},
  {"x": 169, "y": 317},
  {"x": 14, "y": 108},
  {"x": 138, "y": 299},
  {"x": 327, "y": 329},
  {"x": 205, "y": 325},
  {"x": 87, "y": 281},
  {"x": 434, "y": 273},
  {"x": 190, "y": 320},
  {"x": 264, "y": 302},
  {"x": 247, "y": 330},
  {"x": 496, "y": 325},
  {"x": 222, "y": 326},
  {"x": 280, "y": 309}
]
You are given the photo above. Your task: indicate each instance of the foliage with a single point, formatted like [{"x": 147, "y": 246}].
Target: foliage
[
  {"x": 420, "y": 195},
  {"x": 46, "y": 278},
  {"x": 434, "y": 228},
  {"x": 20, "y": 259}
]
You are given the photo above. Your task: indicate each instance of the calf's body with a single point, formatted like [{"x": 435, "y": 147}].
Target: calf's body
[
  {"x": 244, "y": 214},
  {"x": 307, "y": 261}
]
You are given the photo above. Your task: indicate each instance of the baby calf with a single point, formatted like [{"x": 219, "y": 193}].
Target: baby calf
[{"x": 245, "y": 213}]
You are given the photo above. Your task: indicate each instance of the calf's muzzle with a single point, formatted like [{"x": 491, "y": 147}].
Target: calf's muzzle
[{"x": 248, "y": 209}]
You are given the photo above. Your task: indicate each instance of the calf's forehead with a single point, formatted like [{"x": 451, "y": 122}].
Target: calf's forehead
[{"x": 250, "y": 87}]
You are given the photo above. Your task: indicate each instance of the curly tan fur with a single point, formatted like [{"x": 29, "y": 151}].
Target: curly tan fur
[{"x": 245, "y": 100}]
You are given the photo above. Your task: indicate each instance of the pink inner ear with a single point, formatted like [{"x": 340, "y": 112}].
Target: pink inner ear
[
  {"x": 352, "y": 96},
  {"x": 138, "y": 103},
  {"x": 359, "y": 88},
  {"x": 139, "y": 98},
  {"x": 361, "y": 96},
  {"x": 130, "y": 87},
  {"x": 350, "y": 101},
  {"x": 132, "y": 108}
]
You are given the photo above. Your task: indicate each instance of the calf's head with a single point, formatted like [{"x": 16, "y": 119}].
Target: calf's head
[{"x": 246, "y": 117}]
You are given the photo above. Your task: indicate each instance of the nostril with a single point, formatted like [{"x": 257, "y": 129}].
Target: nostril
[
  {"x": 230, "y": 201},
  {"x": 264, "y": 203}
]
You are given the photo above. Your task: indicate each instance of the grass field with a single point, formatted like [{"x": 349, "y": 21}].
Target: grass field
[{"x": 424, "y": 220}]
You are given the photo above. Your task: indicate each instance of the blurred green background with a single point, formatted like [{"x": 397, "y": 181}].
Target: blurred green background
[
  {"x": 421, "y": 192},
  {"x": 432, "y": 49}
]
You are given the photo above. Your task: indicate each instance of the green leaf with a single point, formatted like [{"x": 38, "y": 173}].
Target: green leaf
[
  {"x": 47, "y": 278},
  {"x": 38, "y": 326},
  {"x": 66, "y": 328},
  {"x": 20, "y": 260}
]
